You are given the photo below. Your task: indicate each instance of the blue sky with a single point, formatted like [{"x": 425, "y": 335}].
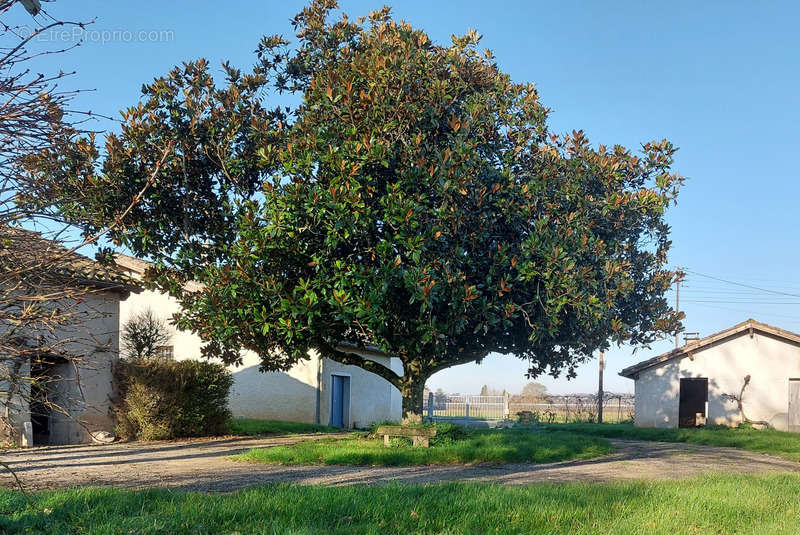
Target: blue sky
[{"x": 718, "y": 79}]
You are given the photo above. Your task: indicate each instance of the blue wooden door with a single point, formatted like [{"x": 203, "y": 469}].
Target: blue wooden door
[{"x": 337, "y": 400}]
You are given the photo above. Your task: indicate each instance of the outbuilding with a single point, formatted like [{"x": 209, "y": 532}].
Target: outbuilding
[
  {"x": 317, "y": 390},
  {"x": 749, "y": 372},
  {"x": 58, "y": 341}
]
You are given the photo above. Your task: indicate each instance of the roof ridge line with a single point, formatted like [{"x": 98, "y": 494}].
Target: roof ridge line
[{"x": 687, "y": 348}]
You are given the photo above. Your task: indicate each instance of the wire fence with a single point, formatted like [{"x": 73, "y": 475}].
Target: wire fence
[{"x": 550, "y": 409}]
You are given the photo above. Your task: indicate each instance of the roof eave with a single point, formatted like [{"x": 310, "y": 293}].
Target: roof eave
[
  {"x": 750, "y": 325},
  {"x": 112, "y": 286}
]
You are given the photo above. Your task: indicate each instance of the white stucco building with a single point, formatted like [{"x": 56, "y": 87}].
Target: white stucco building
[
  {"x": 698, "y": 383},
  {"x": 318, "y": 390},
  {"x": 56, "y": 375}
]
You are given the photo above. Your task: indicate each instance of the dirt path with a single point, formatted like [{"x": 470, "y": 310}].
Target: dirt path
[{"x": 203, "y": 465}]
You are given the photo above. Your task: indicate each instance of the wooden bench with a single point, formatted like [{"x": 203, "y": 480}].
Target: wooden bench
[{"x": 420, "y": 436}]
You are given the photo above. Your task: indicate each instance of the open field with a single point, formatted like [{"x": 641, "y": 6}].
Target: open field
[
  {"x": 452, "y": 445},
  {"x": 786, "y": 445},
  {"x": 253, "y": 427},
  {"x": 561, "y": 413},
  {"x": 718, "y": 505},
  {"x": 557, "y": 409},
  {"x": 557, "y": 415}
]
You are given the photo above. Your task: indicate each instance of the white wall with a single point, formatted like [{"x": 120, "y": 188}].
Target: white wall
[
  {"x": 187, "y": 345},
  {"x": 290, "y": 395},
  {"x": 89, "y": 387},
  {"x": 372, "y": 398},
  {"x": 84, "y": 385},
  {"x": 769, "y": 361}
]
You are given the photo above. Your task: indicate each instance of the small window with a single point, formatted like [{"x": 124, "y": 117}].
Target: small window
[{"x": 166, "y": 352}]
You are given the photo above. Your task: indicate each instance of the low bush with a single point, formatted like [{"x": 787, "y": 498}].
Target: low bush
[
  {"x": 166, "y": 399},
  {"x": 447, "y": 434}
]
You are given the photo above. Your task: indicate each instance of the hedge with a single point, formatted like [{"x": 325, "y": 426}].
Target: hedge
[{"x": 160, "y": 399}]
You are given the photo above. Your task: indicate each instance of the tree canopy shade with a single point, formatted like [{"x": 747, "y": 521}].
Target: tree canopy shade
[{"x": 414, "y": 200}]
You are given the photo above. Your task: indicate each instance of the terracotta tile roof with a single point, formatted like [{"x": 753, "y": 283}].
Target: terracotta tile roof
[
  {"x": 131, "y": 264},
  {"x": 137, "y": 267},
  {"x": 21, "y": 249},
  {"x": 687, "y": 349}
]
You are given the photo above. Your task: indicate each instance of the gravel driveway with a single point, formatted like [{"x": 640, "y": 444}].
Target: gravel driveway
[{"x": 204, "y": 465}]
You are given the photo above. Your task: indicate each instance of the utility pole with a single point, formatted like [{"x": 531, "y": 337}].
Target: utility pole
[
  {"x": 600, "y": 390},
  {"x": 678, "y": 278}
]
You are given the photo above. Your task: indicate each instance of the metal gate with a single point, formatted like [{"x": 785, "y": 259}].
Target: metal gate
[{"x": 449, "y": 407}]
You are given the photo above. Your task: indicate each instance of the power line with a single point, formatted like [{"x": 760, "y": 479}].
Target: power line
[
  {"x": 776, "y": 292},
  {"x": 731, "y": 289},
  {"x": 793, "y": 319},
  {"x": 743, "y": 298},
  {"x": 759, "y": 280},
  {"x": 719, "y": 289},
  {"x": 741, "y": 302}
]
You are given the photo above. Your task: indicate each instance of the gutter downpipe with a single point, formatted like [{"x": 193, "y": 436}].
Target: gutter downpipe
[{"x": 318, "y": 400}]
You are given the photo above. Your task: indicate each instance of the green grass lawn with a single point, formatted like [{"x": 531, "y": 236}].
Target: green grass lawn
[
  {"x": 718, "y": 505},
  {"x": 779, "y": 443},
  {"x": 251, "y": 426},
  {"x": 452, "y": 445}
]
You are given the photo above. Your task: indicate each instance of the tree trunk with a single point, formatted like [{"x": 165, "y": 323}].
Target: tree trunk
[{"x": 412, "y": 388}]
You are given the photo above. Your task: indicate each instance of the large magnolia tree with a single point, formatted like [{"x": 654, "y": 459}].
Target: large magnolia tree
[{"x": 414, "y": 200}]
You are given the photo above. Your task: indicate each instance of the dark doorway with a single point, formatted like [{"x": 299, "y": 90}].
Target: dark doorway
[
  {"x": 44, "y": 375},
  {"x": 692, "y": 407}
]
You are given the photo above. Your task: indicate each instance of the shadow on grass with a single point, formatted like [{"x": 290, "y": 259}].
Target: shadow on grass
[
  {"x": 256, "y": 427},
  {"x": 132, "y": 453},
  {"x": 113, "y": 451}
]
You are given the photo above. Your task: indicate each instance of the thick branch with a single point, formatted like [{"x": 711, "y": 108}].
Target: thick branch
[
  {"x": 341, "y": 355},
  {"x": 461, "y": 359}
]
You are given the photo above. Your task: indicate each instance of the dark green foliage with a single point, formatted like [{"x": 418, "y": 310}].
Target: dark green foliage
[
  {"x": 165, "y": 399},
  {"x": 450, "y": 433}
]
